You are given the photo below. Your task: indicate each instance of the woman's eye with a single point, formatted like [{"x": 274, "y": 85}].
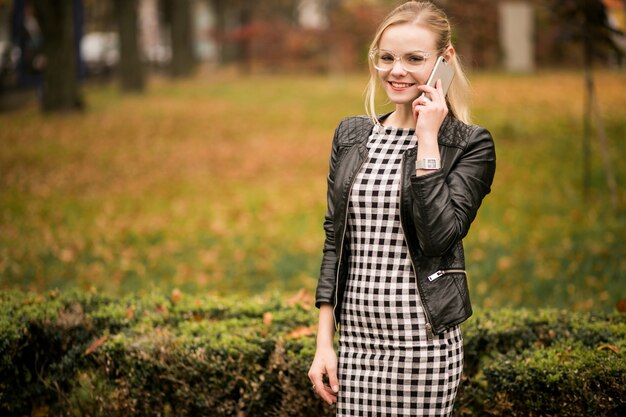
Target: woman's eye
[
  {"x": 387, "y": 58},
  {"x": 416, "y": 59}
]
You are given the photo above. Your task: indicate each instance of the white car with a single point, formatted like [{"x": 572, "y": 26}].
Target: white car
[{"x": 100, "y": 51}]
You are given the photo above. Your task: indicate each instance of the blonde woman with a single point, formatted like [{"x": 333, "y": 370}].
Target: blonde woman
[{"x": 403, "y": 189}]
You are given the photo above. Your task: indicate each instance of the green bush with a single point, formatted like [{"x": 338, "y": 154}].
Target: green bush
[
  {"x": 544, "y": 363},
  {"x": 86, "y": 354}
]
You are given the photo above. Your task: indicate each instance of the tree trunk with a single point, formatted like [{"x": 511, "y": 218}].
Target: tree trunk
[
  {"x": 219, "y": 8},
  {"x": 604, "y": 151},
  {"x": 60, "y": 81},
  {"x": 592, "y": 109},
  {"x": 586, "y": 143},
  {"x": 131, "y": 69},
  {"x": 245, "y": 42},
  {"x": 588, "y": 71},
  {"x": 178, "y": 15}
]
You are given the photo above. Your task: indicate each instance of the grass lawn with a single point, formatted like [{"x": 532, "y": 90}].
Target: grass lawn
[{"x": 217, "y": 184}]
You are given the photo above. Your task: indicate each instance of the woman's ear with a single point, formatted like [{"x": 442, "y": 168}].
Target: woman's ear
[{"x": 449, "y": 53}]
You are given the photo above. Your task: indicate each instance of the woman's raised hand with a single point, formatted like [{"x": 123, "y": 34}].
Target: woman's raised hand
[{"x": 429, "y": 112}]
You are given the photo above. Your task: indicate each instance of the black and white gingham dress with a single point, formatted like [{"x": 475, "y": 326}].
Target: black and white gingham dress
[{"x": 387, "y": 364}]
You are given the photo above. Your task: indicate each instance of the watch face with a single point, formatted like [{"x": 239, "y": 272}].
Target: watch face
[{"x": 431, "y": 163}]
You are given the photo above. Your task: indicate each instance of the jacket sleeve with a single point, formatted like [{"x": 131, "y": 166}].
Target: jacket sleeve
[
  {"x": 326, "y": 283},
  {"x": 445, "y": 202}
]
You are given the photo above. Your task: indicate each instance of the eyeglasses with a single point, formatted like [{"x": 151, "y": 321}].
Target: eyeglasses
[{"x": 411, "y": 62}]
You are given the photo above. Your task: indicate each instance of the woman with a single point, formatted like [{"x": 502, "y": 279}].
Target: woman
[{"x": 403, "y": 190}]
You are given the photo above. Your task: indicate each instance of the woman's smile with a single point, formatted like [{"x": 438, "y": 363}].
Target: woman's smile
[{"x": 400, "y": 86}]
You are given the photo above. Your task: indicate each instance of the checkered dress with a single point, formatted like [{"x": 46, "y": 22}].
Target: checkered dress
[{"x": 387, "y": 364}]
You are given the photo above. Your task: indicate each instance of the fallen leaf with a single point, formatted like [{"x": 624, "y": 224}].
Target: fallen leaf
[
  {"x": 95, "y": 345},
  {"x": 301, "y": 331},
  {"x": 505, "y": 263},
  {"x": 67, "y": 255},
  {"x": 267, "y": 319},
  {"x": 302, "y": 297},
  {"x": 177, "y": 295},
  {"x": 40, "y": 411},
  {"x": 621, "y": 305},
  {"x": 612, "y": 348},
  {"x": 130, "y": 312}
]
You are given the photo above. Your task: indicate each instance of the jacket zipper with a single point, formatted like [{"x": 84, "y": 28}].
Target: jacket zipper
[
  {"x": 429, "y": 328},
  {"x": 443, "y": 272},
  {"x": 343, "y": 235}
]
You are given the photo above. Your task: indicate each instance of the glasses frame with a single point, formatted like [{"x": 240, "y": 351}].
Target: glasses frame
[{"x": 396, "y": 58}]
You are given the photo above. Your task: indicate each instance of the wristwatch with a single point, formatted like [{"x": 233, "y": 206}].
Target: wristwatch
[{"x": 428, "y": 163}]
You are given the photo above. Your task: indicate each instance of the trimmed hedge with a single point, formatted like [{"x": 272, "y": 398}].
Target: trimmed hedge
[{"x": 87, "y": 354}]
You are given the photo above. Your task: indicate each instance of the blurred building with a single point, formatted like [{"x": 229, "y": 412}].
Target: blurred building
[
  {"x": 313, "y": 14},
  {"x": 516, "y": 33}
]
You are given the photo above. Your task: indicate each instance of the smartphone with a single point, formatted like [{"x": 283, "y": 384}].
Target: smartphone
[{"x": 442, "y": 71}]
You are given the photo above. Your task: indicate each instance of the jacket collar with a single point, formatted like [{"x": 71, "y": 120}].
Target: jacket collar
[{"x": 445, "y": 136}]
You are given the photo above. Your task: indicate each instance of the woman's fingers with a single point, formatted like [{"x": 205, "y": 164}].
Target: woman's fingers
[
  {"x": 332, "y": 378},
  {"x": 419, "y": 103},
  {"x": 326, "y": 392},
  {"x": 429, "y": 109},
  {"x": 430, "y": 95},
  {"x": 432, "y": 98},
  {"x": 442, "y": 96},
  {"x": 434, "y": 94}
]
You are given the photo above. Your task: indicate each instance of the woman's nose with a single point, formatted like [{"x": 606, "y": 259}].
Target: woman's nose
[{"x": 398, "y": 68}]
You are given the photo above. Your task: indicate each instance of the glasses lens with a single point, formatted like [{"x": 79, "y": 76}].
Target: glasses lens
[
  {"x": 413, "y": 61},
  {"x": 384, "y": 61}
]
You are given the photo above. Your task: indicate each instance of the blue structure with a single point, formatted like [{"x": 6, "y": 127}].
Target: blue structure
[{"x": 26, "y": 35}]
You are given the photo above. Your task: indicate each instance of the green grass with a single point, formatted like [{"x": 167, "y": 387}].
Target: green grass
[{"x": 217, "y": 184}]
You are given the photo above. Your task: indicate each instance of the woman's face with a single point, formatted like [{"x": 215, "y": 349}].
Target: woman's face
[{"x": 413, "y": 43}]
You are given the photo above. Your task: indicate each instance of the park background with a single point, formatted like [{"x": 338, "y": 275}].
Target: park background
[{"x": 181, "y": 148}]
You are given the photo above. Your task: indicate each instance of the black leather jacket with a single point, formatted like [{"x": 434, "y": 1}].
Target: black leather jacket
[{"x": 436, "y": 211}]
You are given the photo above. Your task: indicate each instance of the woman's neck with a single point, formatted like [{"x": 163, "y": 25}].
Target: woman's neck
[{"x": 402, "y": 117}]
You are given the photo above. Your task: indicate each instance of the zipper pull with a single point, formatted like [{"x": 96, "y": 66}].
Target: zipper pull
[
  {"x": 429, "y": 332},
  {"x": 436, "y": 275}
]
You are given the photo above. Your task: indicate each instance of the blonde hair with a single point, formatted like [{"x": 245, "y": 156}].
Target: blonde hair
[{"x": 432, "y": 18}]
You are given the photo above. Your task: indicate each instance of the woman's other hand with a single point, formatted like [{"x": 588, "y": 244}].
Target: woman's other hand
[{"x": 325, "y": 363}]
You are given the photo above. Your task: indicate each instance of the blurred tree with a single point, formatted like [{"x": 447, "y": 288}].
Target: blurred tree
[
  {"x": 352, "y": 27},
  {"x": 131, "y": 69},
  {"x": 58, "y": 23},
  {"x": 226, "y": 29},
  {"x": 586, "y": 22},
  {"x": 475, "y": 30},
  {"x": 177, "y": 15},
  {"x": 238, "y": 24},
  {"x": 219, "y": 8},
  {"x": 246, "y": 32}
]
